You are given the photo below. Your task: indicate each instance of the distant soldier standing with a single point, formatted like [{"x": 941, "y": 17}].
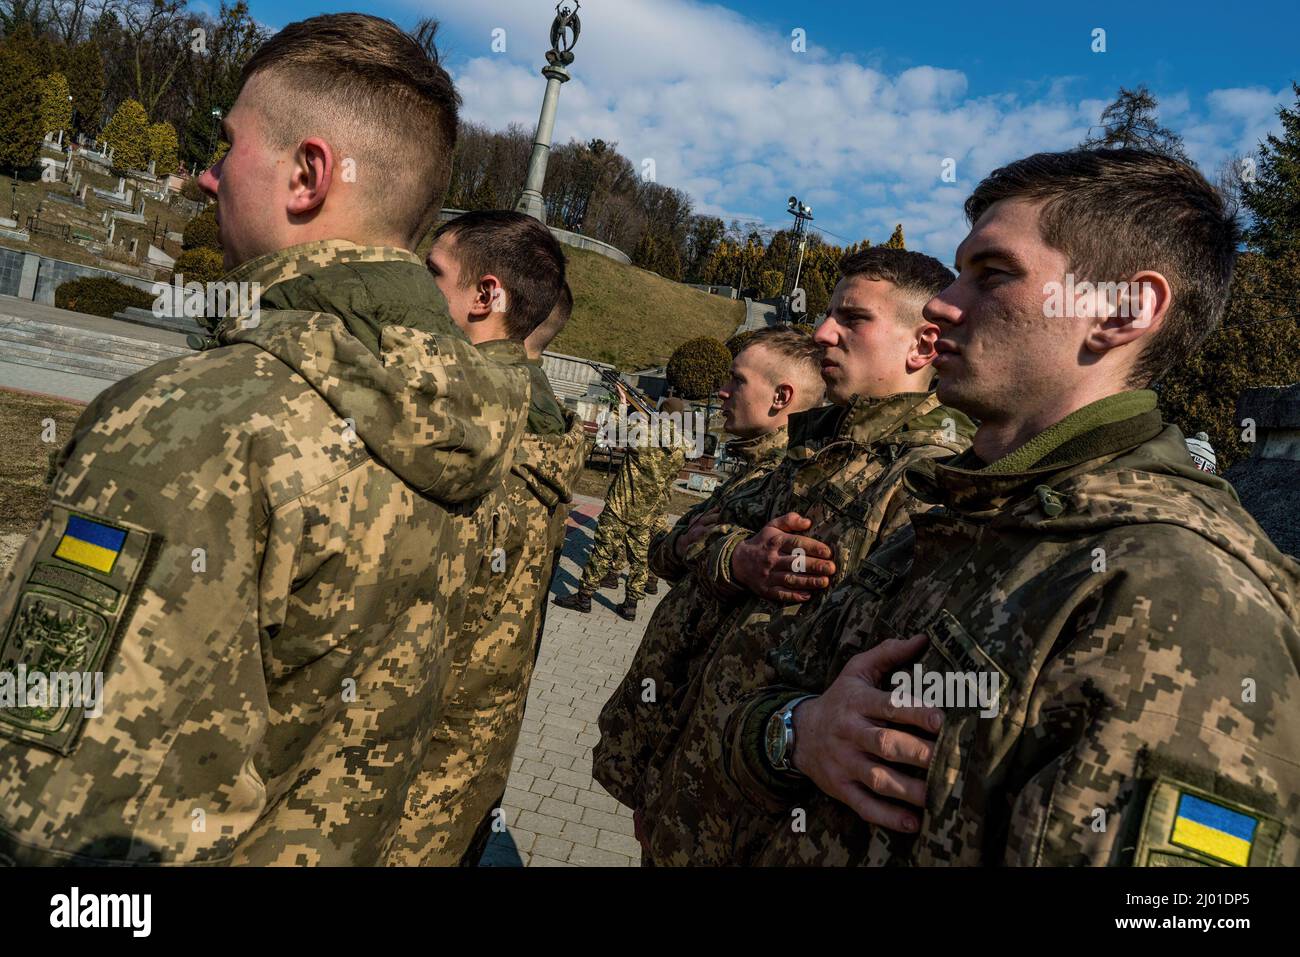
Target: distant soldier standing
[
  {"x": 634, "y": 507},
  {"x": 255, "y": 544},
  {"x": 776, "y": 375}
]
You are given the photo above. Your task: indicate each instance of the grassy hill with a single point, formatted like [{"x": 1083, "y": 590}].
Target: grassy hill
[{"x": 634, "y": 318}]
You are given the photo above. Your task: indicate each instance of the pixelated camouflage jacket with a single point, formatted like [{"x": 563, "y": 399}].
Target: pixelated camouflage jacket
[
  {"x": 835, "y": 453},
  {"x": 251, "y": 544},
  {"x": 1143, "y": 633},
  {"x": 850, "y": 486},
  {"x": 639, "y": 491},
  {"x": 545, "y": 413},
  {"x": 685, "y": 618},
  {"x": 468, "y": 761}
]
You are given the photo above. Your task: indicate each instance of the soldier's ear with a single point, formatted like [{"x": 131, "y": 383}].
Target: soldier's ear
[
  {"x": 1137, "y": 308},
  {"x": 783, "y": 396},
  {"x": 922, "y": 351},
  {"x": 311, "y": 177}
]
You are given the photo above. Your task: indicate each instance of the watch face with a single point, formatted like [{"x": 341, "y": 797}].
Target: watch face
[{"x": 775, "y": 741}]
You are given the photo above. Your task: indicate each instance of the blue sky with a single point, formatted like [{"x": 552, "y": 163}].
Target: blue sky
[{"x": 861, "y": 123}]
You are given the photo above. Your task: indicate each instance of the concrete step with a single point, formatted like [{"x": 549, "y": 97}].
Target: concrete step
[{"x": 97, "y": 355}]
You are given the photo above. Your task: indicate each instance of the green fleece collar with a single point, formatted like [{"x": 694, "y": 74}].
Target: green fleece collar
[{"x": 1077, "y": 425}]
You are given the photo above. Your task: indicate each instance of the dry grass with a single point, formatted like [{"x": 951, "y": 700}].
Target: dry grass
[
  {"x": 23, "y": 492},
  {"x": 634, "y": 318}
]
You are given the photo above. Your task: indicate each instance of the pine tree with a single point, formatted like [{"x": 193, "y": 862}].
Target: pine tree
[
  {"x": 1273, "y": 197},
  {"x": 128, "y": 134},
  {"x": 20, "y": 108},
  {"x": 1130, "y": 123},
  {"x": 163, "y": 145},
  {"x": 85, "y": 72},
  {"x": 56, "y": 105},
  {"x": 896, "y": 239}
]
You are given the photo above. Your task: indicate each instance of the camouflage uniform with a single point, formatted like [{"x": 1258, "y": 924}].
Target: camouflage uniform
[
  {"x": 843, "y": 472},
  {"x": 634, "y": 507},
  {"x": 252, "y": 544},
  {"x": 1144, "y": 633},
  {"x": 687, "y": 617},
  {"x": 466, "y": 766}
]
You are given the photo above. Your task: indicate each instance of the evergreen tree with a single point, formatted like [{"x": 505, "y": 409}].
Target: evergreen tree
[
  {"x": 128, "y": 134},
  {"x": 1273, "y": 197},
  {"x": 1130, "y": 123},
  {"x": 20, "y": 108},
  {"x": 85, "y": 72},
  {"x": 162, "y": 148},
  {"x": 56, "y": 104},
  {"x": 896, "y": 240}
]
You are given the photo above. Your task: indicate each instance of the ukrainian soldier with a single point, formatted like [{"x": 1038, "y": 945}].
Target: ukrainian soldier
[
  {"x": 836, "y": 495},
  {"x": 254, "y": 544},
  {"x": 778, "y": 373},
  {"x": 1087, "y": 654},
  {"x": 500, "y": 273},
  {"x": 634, "y": 507}
]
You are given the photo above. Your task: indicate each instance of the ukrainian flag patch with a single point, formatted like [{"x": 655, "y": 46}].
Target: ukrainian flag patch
[
  {"x": 90, "y": 544},
  {"x": 1228, "y": 827},
  {"x": 1214, "y": 830}
]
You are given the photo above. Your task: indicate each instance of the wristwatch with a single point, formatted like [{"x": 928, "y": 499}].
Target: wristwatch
[{"x": 779, "y": 740}]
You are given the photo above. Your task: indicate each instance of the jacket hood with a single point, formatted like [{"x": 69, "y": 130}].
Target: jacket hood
[
  {"x": 426, "y": 405},
  {"x": 1154, "y": 482}
]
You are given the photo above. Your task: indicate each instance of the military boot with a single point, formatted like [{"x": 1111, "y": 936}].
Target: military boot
[
  {"x": 578, "y": 601},
  {"x": 627, "y": 609},
  {"x": 652, "y": 585},
  {"x": 610, "y": 580}
]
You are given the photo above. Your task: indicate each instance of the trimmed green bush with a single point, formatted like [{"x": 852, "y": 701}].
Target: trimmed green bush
[
  {"x": 201, "y": 231},
  {"x": 199, "y": 265},
  {"x": 100, "y": 296},
  {"x": 699, "y": 367},
  {"x": 128, "y": 133}
]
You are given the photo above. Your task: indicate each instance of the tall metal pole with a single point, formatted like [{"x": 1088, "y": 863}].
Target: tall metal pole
[
  {"x": 530, "y": 200},
  {"x": 564, "y": 34}
]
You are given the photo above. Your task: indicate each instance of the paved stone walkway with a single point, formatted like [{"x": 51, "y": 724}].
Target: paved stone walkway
[{"x": 555, "y": 814}]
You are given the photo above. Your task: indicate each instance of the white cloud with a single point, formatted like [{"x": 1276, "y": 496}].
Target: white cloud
[{"x": 734, "y": 117}]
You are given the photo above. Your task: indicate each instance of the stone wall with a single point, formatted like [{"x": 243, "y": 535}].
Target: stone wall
[{"x": 35, "y": 277}]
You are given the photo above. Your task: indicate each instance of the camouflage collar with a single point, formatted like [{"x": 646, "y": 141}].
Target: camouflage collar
[
  {"x": 980, "y": 489},
  {"x": 867, "y": 421},
  {"x": 506, "y": 352},
  {"x": 759, "y": 449},
  {"x": 293, "y": 261}
]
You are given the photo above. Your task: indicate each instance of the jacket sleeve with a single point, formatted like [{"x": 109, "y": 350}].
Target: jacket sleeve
[{"x": 1162, "y": 731}]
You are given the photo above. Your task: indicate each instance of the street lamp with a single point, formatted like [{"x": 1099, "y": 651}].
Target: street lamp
[
  {"x": 802, "y": 215},
  {"x": 216, "y": 124}
]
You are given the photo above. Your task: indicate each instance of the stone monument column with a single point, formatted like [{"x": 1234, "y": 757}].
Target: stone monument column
[{"x": 564, "y": 34}]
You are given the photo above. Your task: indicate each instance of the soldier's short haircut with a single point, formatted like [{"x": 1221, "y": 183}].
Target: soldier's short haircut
[
  {"x": 795, "y": 356},
  {"x": 924, "y": 277},
  {"x": 520, "y": 251},
  {"x": 385, "y": 96},
  {"x": 550, "y": 327},
  {"x": 792, "y": 346},
  {"x": 1115, "y": 213}
]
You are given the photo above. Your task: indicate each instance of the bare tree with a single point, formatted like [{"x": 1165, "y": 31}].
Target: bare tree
[{"x": 1130, "y": 123}]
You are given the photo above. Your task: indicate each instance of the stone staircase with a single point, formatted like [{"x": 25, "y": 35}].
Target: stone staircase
[{"x": 43, "y": 344}]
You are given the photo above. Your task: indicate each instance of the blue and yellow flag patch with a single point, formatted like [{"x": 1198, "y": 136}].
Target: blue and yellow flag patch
[
  {"x": 90, "y": 544},
  {"x": 1185, "y": 825},
  {"x": 1214, "y": 830}
]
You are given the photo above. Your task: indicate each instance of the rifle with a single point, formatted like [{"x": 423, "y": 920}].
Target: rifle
[{"x": 639, "y": 400}]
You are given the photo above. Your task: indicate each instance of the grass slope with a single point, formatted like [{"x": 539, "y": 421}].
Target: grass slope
[{"x": 633, "y": 318}]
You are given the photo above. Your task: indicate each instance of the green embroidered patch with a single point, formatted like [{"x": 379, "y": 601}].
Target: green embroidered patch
[{"x": 59, "y": 626}]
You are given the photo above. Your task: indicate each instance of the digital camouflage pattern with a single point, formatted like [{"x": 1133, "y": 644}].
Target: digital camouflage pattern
[
  {"x": 634, "y": 508},
  {"x": 467, "y": 764},
  {"x": 686, "y": 619},
  {"x": 843, "y": 472},
  {"x": 272, "y": 631},
  {"x": 1144, "y": 632}
]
